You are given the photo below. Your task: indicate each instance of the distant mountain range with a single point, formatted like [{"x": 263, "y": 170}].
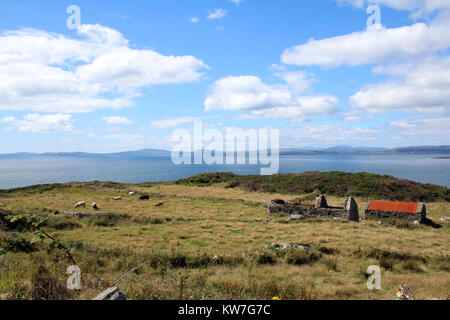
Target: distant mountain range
[
  {"x": 145, "y": 153},
  {"x": 337, "y": 150},
  {"x": 348, "y": 150}
]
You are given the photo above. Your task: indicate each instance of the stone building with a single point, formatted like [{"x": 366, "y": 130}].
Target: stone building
[
  {"x": 408, "y": 211},
  {"x": 319, "y": 210}
]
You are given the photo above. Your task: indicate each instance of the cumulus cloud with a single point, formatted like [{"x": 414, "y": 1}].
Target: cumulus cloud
[
  {"x": 372, "y": 46},
  {"x": 43, "y": 123},
  {"x": 237, "y": 1},
  {"x": 217, "y": 14},
  {"x": 422, "y": 87},
  {"x": 117, "y": 120},
  {"x": 47, "y": 72},
  {"x": 249, "y": 93}
]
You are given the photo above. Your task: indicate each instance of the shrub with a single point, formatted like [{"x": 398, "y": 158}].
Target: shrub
[
  {"x": 333, "y": 183},
  {"x": 387, "y": 263},
  {"x": 106, "y": 219},
  {"x": 300, "y": 257},
  {"x": 62, "y": 223},
  {"x": 266, "y": 258},
  {"x": 178, "y": 260},
  {"x": 11, "y": 242},
  {"x": 47, "y": 286},
  {"x": 412, "y": 265},
  {"x": 201, "y": 261}
]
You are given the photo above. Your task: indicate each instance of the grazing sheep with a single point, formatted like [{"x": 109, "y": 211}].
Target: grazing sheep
[
  {"x": 132, "y": 193},
  {"x": 117, "y": 198},
  {"x": 145, "y": 197},
  {"x": 80, "y": 204},
  {"x": 159, "y": 204},
  {"x": 94, "y": 206}
]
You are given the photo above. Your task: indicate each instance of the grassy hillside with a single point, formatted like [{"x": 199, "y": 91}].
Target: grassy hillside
[
  {"x": 211, "y": 242},
  {"x": 331, "y": 183}
]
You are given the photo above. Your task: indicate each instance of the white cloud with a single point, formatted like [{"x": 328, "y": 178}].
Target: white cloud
[
  {"x": 7, "y": 119},
  {"x": 298, "y": 81},
  {"x": 422, "y": 87},
  {"x": 117, "y": 120},
  {"x": 328, "y": 135},
  {"x": 46, "y": 72},
  {"x": 249, "y": 93},
  {"x": 372, "y": 46},
  {"x": 193, "y": 19},
  {"x": 173, "y": 122},
  {"x": 434, "y": 131},
  {"x": 43, "y": 123},
  {"x": 237, "y": 1},
  {"x": 217, "y": 14}
]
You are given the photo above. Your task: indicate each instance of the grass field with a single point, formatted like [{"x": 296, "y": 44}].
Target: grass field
[{"x": 214, "y": 242}]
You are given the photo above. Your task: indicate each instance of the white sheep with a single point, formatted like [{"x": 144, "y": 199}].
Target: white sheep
[{"x": 80, "y": 204}]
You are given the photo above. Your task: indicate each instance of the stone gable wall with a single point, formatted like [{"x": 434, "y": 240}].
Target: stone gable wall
[{"x": 320, "y": 210}]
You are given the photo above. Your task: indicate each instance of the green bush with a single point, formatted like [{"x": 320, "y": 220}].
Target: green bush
[
  {"x": 333, "y": 183},
  {"x": 387, "y": 263},
  {"x": 106, "y": 219},
  {"x": 266, "y": 257},
  {"x": 412, "y": 265},
  {"x": 300, "y": 257},
  {"x": 12, "y": 242}
]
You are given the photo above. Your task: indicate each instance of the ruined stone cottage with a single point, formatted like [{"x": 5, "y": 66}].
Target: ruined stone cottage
[
  {"x": 408, "y": 211},
  {"x": 320, "y": 210}
]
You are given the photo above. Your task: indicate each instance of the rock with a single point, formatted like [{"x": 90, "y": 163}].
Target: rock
[
  {"x": 296, "y": 217},
  {"x": 279, "y": 201},
  {"x": 445, "y": 219},
  {"x": 405, "y": 293},
  {"x": 111, "y": 294},
  {"x": 321, "y": 202},
  {"x": 77, "y": 214}
]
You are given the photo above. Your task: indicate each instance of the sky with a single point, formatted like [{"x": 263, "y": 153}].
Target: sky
[{"x": 132, "y": 72}]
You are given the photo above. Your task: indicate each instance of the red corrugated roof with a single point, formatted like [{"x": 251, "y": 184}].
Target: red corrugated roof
[{"x": 407, "y": 207}]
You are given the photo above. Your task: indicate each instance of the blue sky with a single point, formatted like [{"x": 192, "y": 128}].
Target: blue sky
[{"x": 135, "y": 71}]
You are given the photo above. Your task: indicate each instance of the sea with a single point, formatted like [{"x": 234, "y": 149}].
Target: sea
[{"x": 21, "y": 172}]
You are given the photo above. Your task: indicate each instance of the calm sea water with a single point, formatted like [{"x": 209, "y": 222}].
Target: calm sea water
[{"x": 25, "y": 172}]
